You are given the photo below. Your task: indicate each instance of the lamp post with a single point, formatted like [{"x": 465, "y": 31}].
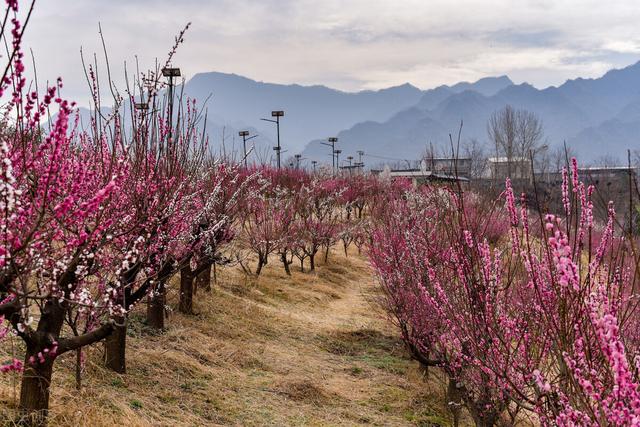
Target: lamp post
[
  {"x": 332, "y": 144},
  {"x": 298, "y": 157},
  {"x": 360, "y": 154},
  {"x": 141, "y": 108},
  {"x": 277, "y": 115},
  {"x": 171, "y": 73},
  {"x": 338, "y": 157},
  {"x": 244, "y": 134},
  {"x": 314, "y": 163}
]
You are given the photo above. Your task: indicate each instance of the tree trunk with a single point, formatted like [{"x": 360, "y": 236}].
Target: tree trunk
[
  {"x": 261, "y": 264},
  {"x": 36, "y": 378},
  {"x": 283, "y": 258},
  {"x": 487, "y": 421},
  {"x": 115, "y": 347},
  {"x": 186, "y": 291},
  {"x": 326, "y": 255},
  {"x": 302, "y": 265},
  {"x": 312, "y": 262},
  {"x": 34, "y": 392},
  {"x": 482, "y": 415},
  {"x": 203, "y": 280},
  {"x": 454, "y": 401},
  {"x": 155, "y": 308}
]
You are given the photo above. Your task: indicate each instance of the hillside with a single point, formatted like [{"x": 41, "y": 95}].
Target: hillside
[
  {"x": 312, "y": 349},
  {"x": 310, "y": 111},
  {"x": 595, "y": 116}
]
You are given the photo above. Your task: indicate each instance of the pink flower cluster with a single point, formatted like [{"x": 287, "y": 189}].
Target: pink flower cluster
[{"x": 542, "y": 322}]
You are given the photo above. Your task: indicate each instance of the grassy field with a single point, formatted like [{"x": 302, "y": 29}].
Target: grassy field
[{"x": 311, "y": 349}]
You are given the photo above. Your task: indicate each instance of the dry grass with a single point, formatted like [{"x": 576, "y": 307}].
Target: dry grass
[{"x": 311, "y": 349}]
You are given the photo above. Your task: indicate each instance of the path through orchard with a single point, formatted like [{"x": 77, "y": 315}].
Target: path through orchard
[{"x": 311, "y": 349}]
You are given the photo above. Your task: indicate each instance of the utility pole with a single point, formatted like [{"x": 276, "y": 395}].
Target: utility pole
[
  {"x": 277, "y": 115},
  {"x": 314, "y": 163},
  {"x": 360, "y": 164},
  {"x": 332, "y": 144},
  {"x": 338, "y": 157},
  {"x": 171, "y": 73},
  {"x": 244, "y": 134},
  {"x": 142, "y": 107},
  {"x": 349, "y": 158},
  {"x": 298, "y": 157}
]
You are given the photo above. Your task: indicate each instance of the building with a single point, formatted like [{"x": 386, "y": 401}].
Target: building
[
  {"x": 500, "y": 168},
  {"x": 420, "y": 176},
  {"x": 594, "y": 175},
  {"x": 448, "y": 165}
]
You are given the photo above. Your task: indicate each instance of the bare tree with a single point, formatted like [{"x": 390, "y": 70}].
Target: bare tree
[
  {"x": 528, "y": 133},
  {"x": 607, "y": 161},
  {"x": 502, "y": 131},
  {"x": 560, "y": 156},
  {"x": 515, "y": 134},
  {"x": 542, "y": 162},
  {"x": 475, "y": 150}
]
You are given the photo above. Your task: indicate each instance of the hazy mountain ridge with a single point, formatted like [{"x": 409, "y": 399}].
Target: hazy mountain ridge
[
  {"x": 310, "y": 111},
  {"x": 597, "y": 117}
]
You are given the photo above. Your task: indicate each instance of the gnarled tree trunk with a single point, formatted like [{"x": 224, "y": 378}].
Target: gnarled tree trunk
[
  {"x": 261, "y": 263},
  {"x": 34, "y": 391},
  {"x": 115, "y": 347},
  {"x": 186, "y": 290},
  {"x": 203, "y": 280},
  {"x": 285, "y": 263},
  {"x": 155, "y": 308},
  {"x": 36, "y": 378},
  {"x": 454, "y": 401}
]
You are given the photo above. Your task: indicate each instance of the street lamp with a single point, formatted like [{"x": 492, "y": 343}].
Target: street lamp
[
  {"x": 244, "y": 134},
  {"x": 277, "y": 114},
  {"x": 360, "y": 154},
  {"x": 332, "y": 144},
  {"x": 314, "y": 163},
  {"x": 171, "y": 73},
  {"x": 338, "y": 157},
  {"x": 350, "y": 158}
]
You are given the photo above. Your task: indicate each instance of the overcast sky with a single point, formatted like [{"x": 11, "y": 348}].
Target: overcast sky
[{"x": 345, "y": 44}]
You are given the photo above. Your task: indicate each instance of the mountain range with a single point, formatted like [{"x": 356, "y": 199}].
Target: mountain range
[{"x": 596, "y": 117}]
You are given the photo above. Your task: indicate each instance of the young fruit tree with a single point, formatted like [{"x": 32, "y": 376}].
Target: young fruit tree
[{"x": 539, "y": 317}]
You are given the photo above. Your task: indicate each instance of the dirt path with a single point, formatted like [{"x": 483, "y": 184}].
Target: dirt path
[
  {"x": 307, "y": 350},
  {"x": 344, "y": 362}
]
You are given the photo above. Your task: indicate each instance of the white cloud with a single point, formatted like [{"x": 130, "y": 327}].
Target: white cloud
[{"x": 350, "y": 45}]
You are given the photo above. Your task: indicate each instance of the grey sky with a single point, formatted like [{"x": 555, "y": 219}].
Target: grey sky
[{"x": 348, "y": 45}]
